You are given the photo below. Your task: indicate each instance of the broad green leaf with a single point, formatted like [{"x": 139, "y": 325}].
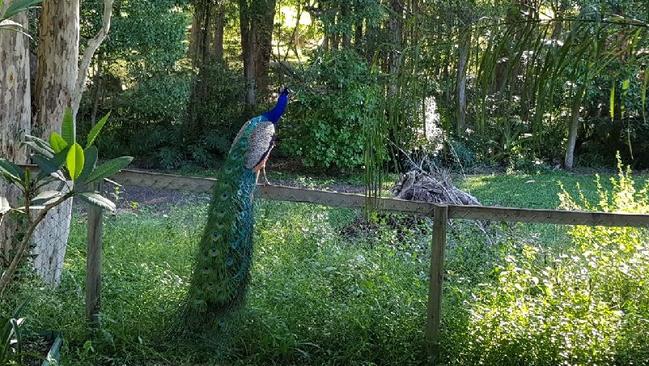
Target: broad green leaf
[
  {"x": 109, "y": 168},
  {"x": 23, "y": 209},
  {"x": 51, "y": 165},
  {"x": 611, "y": 107},
  {"x": 8, "y": 23},
  {"x": 57, "y": 142},
  {"x": 58, "y": 175},
  {"x": 46, "y": 165},
  {"x": 96, "y": 129},
  {"x": 90, "y": 164},
  {"x": 46, "y": 197},
  {"x": 19, "y": 5},
  {"x": 39, "y": 146},
  {"x": 11, "y": 171},
  {"x": 98, "y": 200},
  {"x": 68, "y": 129},
  {"x": 19, "y": 340},
  {"x": 75, "y": 161},
  {"x": 4, "y": 206}
]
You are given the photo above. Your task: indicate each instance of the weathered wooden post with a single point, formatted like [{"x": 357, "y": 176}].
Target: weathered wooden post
[
  {"x": 440, "y": 222},
  {"x": 93, "y": 264}
]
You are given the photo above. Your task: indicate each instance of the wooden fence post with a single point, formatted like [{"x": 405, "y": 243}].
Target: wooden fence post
[
  {"x": 93, "y": 265},
  {"x": 440, "y": 223}
]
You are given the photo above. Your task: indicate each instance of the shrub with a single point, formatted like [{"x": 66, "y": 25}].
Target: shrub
[
  {"x": 146, "y": 119},
  {"x": 588, "y": 305},
  {"x": 324, "y": 125},
  {"x": 216, "y": 112}
]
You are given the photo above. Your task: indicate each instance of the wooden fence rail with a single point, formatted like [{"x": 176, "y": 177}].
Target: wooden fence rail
[
  {"x": 352, "y": 200},
  {"x": 440, "y": 213}
]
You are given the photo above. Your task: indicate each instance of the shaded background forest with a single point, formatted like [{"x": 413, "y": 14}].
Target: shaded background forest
[{"x": 516, "y": 84}]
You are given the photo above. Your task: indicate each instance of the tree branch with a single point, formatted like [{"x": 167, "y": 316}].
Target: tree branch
[{"x": 92, "y": 47}]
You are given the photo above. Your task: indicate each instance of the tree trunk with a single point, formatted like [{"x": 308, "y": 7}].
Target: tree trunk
[
  {"x": 15, "y": 115},
  {"x": 463, "y": 58},
  {"x": 219, "y": 26},
  {"x": 573, "y": 128},
  {"x": 248, "y": 43},
  {"x": 262, "y": 24},
  {"x": 359, "y": 41},
  {"x": 345, "y": 10},
  {"x": 206, "y": 49},
  {"x": 256, "y": 21},
  {"x": 206, "y": 40},
  {"x": 396, "y": 28},
  {"x": 58, "y": 55}
]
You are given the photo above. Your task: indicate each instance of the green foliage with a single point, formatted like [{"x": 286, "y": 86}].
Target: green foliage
[
  {"x": 147, "y": 118},
  {"x": 214, "y": 115},
  {"x": 324, "y": 125},
  {"x": 75, "y": 161},
  {"x": 67, "y": 166},
  {"x": 140, "y": 76},
  {"x": 581, "y": 304},
  {"x": 317, "y": 297},
  {"x": 540, "y": 69},
  {"x": 61, "y": 161},
  {"x": 11, "y": 338},
  {"x": 16, "y": 7}
]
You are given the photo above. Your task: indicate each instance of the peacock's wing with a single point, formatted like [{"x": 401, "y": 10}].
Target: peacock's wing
[{"x": 260, "y": 143}]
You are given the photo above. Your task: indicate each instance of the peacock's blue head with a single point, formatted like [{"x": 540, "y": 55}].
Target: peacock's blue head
[{"x": 276, "y": 113}]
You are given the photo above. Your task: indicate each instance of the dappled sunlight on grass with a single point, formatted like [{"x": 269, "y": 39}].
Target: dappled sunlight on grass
[
  {"x": 320, "y": 293},
  {"x": 532, "y": 191}
]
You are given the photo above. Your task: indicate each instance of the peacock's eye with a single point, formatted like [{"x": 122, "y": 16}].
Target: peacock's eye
[
  {"x": 216, "y": 236},
  {"x": 224, "y": 196},
  {"x": 213, "y": 252}
]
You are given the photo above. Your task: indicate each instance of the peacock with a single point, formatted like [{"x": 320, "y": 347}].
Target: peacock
[{"x": 224, "y": 257}]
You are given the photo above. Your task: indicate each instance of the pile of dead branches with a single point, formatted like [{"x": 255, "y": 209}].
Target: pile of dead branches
[{"x": 418, "y": 185}]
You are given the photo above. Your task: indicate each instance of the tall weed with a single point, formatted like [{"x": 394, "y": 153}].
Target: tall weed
[{"x": 585, "y": 303}]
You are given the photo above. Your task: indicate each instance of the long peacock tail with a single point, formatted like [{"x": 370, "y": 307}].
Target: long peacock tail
[{"x": 224, "y": 256}]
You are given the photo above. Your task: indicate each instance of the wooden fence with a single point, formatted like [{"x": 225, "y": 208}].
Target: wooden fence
[{"x": 441, "y": 214}]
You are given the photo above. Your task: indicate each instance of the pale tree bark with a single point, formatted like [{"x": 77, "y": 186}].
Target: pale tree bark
[
  {"x": 58, "y": 54},
  {"x": 58, "y": 68},
  {"x": 15, "y": 116},
  {"x": 573, "y": 127},
  {"x": 463, "y": 58},
  {"x": 59, "y": 85},
  {"x": 88, "y": 54}
]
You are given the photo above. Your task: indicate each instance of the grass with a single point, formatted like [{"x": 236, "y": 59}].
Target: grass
[{"x": 316, "y": 297}]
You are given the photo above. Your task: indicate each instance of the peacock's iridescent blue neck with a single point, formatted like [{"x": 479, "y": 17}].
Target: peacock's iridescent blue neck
[{"x": 276, "y": 113}]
